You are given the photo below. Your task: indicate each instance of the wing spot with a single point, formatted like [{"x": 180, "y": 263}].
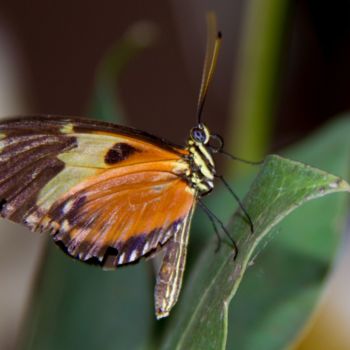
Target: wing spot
[
  {"x": 65, "y": 226},
  {"x": 2, "y": 204},
  {"x": 119, "y": 152},
  {"x": 145, "y": 248},
  {"x": 67, "y": 129},
  {"x": 54, "y": 226},
  {"x": 167, "y": 235},
  {"x": 9, "y": 208},
  {"x": 68, "y": 206},
  {"x": 121, "y": 258},
  {"x": 2, "y": 143},
  {"x": 32, "y": 219},
  {"x": 46, "y": 221},
  {"x": 133, "y": 255}
]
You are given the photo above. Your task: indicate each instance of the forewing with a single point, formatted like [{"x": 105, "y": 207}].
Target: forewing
[
  {"x": 29, "y": 159},
  {"x": 107, "y": 193}
]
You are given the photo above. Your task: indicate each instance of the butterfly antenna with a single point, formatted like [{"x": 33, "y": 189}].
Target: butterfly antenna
[
  {"x": 219, "y": 148},
  {"x": 250, "y": 221},
  {"x": 213, "y": 218},
  {"x": 211, "y": 55},
  {"x": 240, "y": 159}
]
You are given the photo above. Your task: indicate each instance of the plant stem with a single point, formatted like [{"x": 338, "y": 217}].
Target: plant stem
[{"x": 251, "y": 112}]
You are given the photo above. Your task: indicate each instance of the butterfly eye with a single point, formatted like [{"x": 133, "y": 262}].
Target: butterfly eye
[{"x": 199, "y": 135}]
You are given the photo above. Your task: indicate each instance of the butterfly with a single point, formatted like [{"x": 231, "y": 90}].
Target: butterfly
[{"x": 109, "y": 194}]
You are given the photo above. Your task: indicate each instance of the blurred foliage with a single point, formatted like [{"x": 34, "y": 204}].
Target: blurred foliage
[
  {"x": 252, "y": 107},
  {"x": 77, "y": 306},
  {"x": 105, "y": 104}
]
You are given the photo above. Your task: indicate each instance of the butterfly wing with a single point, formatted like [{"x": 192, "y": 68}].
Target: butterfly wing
[
  {"x": 105, "y": 193},
  {"x": 120, "y": 218},
  {"x": 170, "y": 275}
]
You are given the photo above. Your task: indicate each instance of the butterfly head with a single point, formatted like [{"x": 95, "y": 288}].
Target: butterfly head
[
  {"x": 200, "y": 134},
  {"x": 202, "y": 168}
]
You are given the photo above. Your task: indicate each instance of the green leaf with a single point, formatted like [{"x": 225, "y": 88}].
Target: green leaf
[
  {"x": 280, "y": 292},
  {"x": 281, "y": 186}
]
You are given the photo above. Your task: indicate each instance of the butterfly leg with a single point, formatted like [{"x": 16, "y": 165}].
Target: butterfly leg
[
  {"x": 215, "y": 218},
  {"x": 250, "y": 221},
  {"x": 218, "y": 244}
]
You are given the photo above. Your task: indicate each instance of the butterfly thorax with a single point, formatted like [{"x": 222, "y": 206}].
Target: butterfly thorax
[{"x": 202, "y": 168}]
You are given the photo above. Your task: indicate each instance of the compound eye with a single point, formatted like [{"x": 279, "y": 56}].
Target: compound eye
[{"x": 199, "y": 135}]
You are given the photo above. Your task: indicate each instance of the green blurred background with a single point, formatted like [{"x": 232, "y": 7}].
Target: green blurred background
[{"x": 283, "y": 71}]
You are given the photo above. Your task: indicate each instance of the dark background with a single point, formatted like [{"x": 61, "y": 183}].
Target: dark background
[{"x": 61, "y": 42}]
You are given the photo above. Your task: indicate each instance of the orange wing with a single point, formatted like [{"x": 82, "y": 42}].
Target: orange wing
[
  {"x": 107, "y": 194},
  {"x": 121, "y": 217}
]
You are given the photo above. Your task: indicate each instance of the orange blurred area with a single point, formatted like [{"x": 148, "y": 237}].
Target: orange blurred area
[{"x": 329, "y": 328}]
